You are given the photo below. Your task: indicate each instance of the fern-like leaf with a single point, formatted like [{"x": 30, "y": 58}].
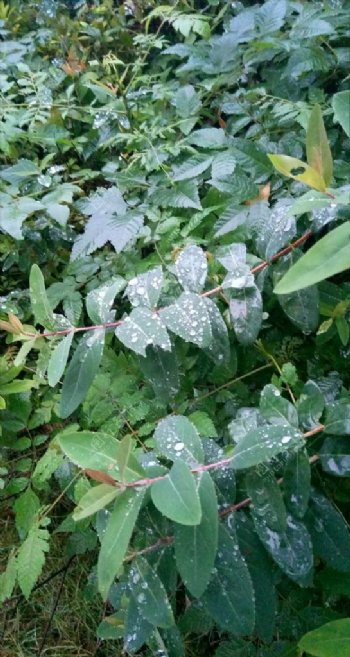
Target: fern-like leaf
[{"x": 31, "y": 558}]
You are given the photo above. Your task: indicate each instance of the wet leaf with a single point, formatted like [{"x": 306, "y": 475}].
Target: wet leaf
[{"x": 176, "y": 496}]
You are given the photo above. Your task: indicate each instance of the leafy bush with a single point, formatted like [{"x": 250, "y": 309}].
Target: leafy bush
[{"x": 174, "y": 383}]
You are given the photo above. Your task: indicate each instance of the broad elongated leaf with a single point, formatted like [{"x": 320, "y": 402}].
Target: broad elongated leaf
[
  {"x": 40, "y": 304},
  {"x": 298, "y": 170},
  {"x": 137, "y": 629},
  {"x": 8, "y": 578},
  {"x": 58, "y": 360},
  {"x": 267, "y": 499},
  {"x": 177, "y": 438},
  {"x": 31, "y": 558},
  {"x": 246, "y": 314},
  {"x": 329, "y": 256},
  {"x": 160, "y": 368},
  {"x": 230, "y": 597},
  {"x": 297, "y": 483},
  {"x": 291, "y": 549},
  {"x": 219, "y": 348},
  {"x": 100, "y": 300},
  {"x": 276, "y": 409},
  {"x": 263, "y": 443},
  {"x": 110, "y": 221},
  {"x": 259, "y": 566},
  {"x": 149, "y": 594},
  {"x": 176, "y": 496},
  {"x": 302, "y": 308},
  {"x": 341, "y": 107},
  {"x": 98, "y": 497},
  {"x": 329, "y": 531},
  {"x": 187, "y": 101},
  {"x": 330, "y": 640},
  {"x": 144, "y": 290},
  {"x": 141, "y": 329},
  {"x": 116, "y": 537},
  {"x": 81, "y": 371},
  {"x": 91, "y": 450},
  {"x": 273, "y": 229},
  {"x": 310, "y": 405},
  {"x": 337, "y": 420},
  {"x": 318, "y": 153},
  {"x": 196, "y": 546},
  {"x": 191, "y": 268},
  {"x": 192, "y": 167},
  {"x": 335, "y": 456},
  {"x": 129, "y": 468},
  {"x": 189, "y": 319}
]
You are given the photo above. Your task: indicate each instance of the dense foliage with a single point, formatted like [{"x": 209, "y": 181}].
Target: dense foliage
[{"x": 174, "y": 405}]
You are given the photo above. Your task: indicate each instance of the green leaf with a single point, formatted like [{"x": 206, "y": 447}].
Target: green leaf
[
  {"x": 196, "y": 546},
  {"x": 298, "y": 170},
  {"x": 337, "y": 419},
  {"x": 177, "y": 438},
  {"x": 246, "y": 314},
  {"x": 219, "y": 348},
  {"x": 329, "y": 532},
  {"x": 8, "y": 578},
  {"x": 26, "y": 507},
  {"x": 141, "y": 329},
  {"x": 297, "y": 483},
  {"x": 144, "y": 290},
  {"x": 330, "y": 640},
  {"x": 204, "y": 424},
  {"x": 160, "y": 368},
  {"x": 81, "y": 371},
  {"x": 183, "y": 194},
  {"x": 261, "y": 573},
  {"x": 319, "y": 155},
  {"x": 100, "y": 300},
  {"x": 176, "y": 496},
  {"x": 19, "y": 172},
  {"x": 302, "y": 308},
  {"x": 207, "y": 138},
  {"x": 192, "y": 167},
  {"x": 267, "y": 499},
  {"x": 149, "y": 594},
  {"x": 191, "y": 268},
  {"x": 187, "y": 101},
  {"x": 98, "y": 497},
  {"x": 137, "y": 630},
  {"x": 31, "y": 559},
  {"x": 329, "y": 256},
  {"x": 58, "y": 360},
  {"x": 276, "y": 409},
  {"x": 335, "y": 456},
  {"x": 40, "y": 304},
  {"x": 110, "y": 221},
  {"x": 13, "y": 212},
  {"x": 341, "y": 108},
  {"x": 91, "y": 450},
  {"x": 263, "y": 443},
  {"x": 129, "y": 467},
  {"x": 188, "y": 318},
  {"x": 116, "y": 537},
  {"x": 230, "y": 597},
  {"x": 310, "y": 405}
]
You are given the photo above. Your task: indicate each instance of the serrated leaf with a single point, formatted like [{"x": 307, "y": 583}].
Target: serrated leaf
[
  {"x": 176, "y": 496},
  {"x": 187, "y": 101},
  {"x": 177, "y": 438},
  {"x": 144, "y": 289},
  {"x": 110, "y": 221},
  {"x": 81, "y": 371},
  {"x": 298, "y": 170},
  {"x": 341, "y": 108},
  {"x": 329, "y": 532},
  {"x": 208, "y": 138},
  {"x": 263, "y": 443},
  {"x": 297, "y": 483},
  {"x": 223, "y": 165},
  {"x": 100, "y": 300},
  {"x": 318, "y": 153},
  {"x": 330, "y": 640},
  {"x": 276, "y": 409},
  {"x": 93, "y": 450},
  {"x": 189, "y": 319},
  {"x": 191, "y": 268},
  {"x": 58, "y": 360},
  {"x": 329, "y": 256},
  {"x": 115, "y": 540},
  {"x": 8, "y": 578},
  {"x": 192, "y": 167},
  {"x": 291, "y": 549},
  {"x": 141, "y": 329},
  {"x": 98, "y": 497},
  {"x": 267, "y": 499},
  {"x": 25, "y": 507},
  {"x": 183, "y": 194},
  {"x": 230, "y": 596},
  {"x": 246, "y": 314},
  {"x": 31, "y": 559},
  {"x": 160, "y": 368},
  {"x": 149, "y": 594},
  {"x": 195, "y": 547},
  {"x": 204, "y": 424},
  {"x": 40, "y": 304}
]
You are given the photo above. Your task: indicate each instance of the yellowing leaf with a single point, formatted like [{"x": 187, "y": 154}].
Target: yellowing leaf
[
  {"x": 318, "y": 152},
  {"x": 298, "y": 170}
]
